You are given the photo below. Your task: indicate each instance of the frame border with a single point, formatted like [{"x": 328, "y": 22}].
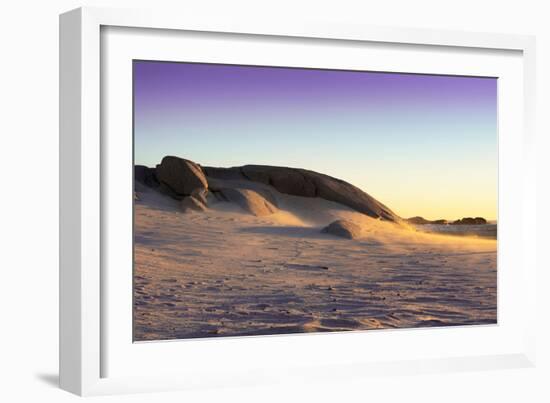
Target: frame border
[{"x": 80, "y": 164}]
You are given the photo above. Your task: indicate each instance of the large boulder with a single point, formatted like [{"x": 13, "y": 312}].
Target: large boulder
[
  {"x": 249, "y": 200},
  {"x": 181, "y": 176},
  {"x": 343, "y": 228},
  {"x": 301, "y": 182}
]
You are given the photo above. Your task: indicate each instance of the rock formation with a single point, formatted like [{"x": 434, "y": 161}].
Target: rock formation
[
  {"x": 440, "y": 222},
  {"x": 146, "y": 177},
  {"x": 249, "y": 200},
  {"x": 418, "y": 220},
  {"x": 470, "y": 221},
  {"x": 344, "y": 229},
  {"x": 181, "y": 176},
  {"x": 422, "y": 221},
  {"x": 252, "y": 187},
  {"x": 301, "y": 182}
]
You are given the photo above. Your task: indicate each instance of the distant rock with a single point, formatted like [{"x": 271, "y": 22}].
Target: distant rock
[
  {"x": 418, "y": 220},
  {"x": 181, "y": 176},
  {"x": 463, "y": 221},
  {"x": 470, "y": 221},
  {"x": 440, "y": 222},
  {"x": 344, "y": 229},
  {"x": 191, "y": 203},
  {"x": 249, "y": 200},
  {"x": 422, "y": 221},
  {"x": 301, "y": 182}
]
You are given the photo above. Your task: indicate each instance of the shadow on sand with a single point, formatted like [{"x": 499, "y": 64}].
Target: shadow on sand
[{"x": 290, "y": 232}]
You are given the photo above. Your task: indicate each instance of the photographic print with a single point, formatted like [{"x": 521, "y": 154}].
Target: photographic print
[{"x": 278, "y": 200}]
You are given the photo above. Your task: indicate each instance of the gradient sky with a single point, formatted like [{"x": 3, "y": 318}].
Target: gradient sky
[{"x": 421, "y": 144}]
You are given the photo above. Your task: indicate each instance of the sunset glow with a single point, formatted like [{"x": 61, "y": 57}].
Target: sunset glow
[{"x": 422, "y": 144}]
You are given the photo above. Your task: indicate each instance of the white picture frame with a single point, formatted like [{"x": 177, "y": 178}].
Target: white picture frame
[{"x": 86, "y": 315}]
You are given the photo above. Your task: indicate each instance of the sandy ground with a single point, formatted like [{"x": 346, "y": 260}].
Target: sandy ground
[{"x": 227, "y": 273}]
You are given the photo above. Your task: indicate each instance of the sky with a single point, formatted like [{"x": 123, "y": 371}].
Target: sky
[{"x": 421, "y": 144}]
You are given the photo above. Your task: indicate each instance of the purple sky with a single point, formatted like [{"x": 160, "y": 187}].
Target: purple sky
[{"x": 365, "y": 127}]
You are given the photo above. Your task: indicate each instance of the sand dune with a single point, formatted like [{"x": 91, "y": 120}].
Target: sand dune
[{"x": 227, "y": 272}]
